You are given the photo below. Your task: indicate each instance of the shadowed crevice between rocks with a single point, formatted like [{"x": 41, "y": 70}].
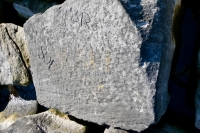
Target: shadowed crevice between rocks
[
  {"x": 91, "y": 127},
  {"x": 183, "y": 78}
]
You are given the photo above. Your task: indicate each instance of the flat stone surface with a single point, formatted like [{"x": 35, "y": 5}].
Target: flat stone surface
[{"x": 103, "y": 61}]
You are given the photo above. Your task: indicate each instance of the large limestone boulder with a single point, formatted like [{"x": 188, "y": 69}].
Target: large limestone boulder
[
  {"x": 104, "y": 61},
  {"x": 51, "y": 121},
  {"x": 16, "y": 108},
  {"x": 14, "y": 57}
]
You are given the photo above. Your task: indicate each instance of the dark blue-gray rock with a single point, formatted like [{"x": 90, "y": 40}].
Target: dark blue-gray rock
[
  {"x": 51, "y": 121},
  {"x": 27, "y": 8},
  {"x": 14, "y": 56},
  {"x": 1, "y": 11},
  {"x": 105, "y": 61}
]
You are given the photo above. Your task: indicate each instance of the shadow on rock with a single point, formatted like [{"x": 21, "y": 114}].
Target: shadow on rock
[
  {"x": 26, "y": 92},
  {"x": 4, "y": 97},
  {"x": 92, "y": 127}
]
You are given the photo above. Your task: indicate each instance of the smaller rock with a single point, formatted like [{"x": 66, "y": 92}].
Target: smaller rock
[
  {"x": 51, "y": 121},
  {"x": 113, "y": 130},
  {"x": 14, "y": 56},
  {"x": 16, "y": 108}
]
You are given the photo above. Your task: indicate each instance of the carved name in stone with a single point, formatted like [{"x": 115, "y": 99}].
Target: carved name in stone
[{"x": 86, "y": 60}]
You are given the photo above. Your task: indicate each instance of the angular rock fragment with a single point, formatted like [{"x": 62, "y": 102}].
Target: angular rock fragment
[
  {"x": 16, "y": 108},
  {"x": 14, "y": 57},
  {"x": 104, "y": 61},
  {"x": 51, "y": 121}
]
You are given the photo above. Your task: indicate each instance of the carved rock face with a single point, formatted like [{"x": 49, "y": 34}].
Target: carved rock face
[{"x": 93, "y": 60}]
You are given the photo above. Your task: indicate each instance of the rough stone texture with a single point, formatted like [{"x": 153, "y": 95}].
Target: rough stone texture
[
  {"x": 104, "y": 62},
  {"x": 47, "y": 122},
  {"x": 26, "y": 8},
  {"x": 14, "y": 57},
  {"x": 113, "y": 130},
  {"x": 16, "y": 108}
]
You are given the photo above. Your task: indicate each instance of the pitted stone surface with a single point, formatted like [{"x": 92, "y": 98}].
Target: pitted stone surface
[{"x": 95, "y": 61}]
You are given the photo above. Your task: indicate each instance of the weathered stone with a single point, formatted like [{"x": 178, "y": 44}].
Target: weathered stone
[
  {"x": 104, "y": 62},
  {"x": 51, "y": 121},
  {"x": 113, "y": 130},
  {"x": 14, "y": 57},
  {"x": 16, "y": 108}
]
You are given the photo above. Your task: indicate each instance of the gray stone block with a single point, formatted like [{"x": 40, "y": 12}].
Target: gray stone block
[{"x": 105, "y": 61}]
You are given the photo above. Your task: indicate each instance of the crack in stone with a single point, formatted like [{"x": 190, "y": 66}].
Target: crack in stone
[{"x": 20, "y": 54}]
